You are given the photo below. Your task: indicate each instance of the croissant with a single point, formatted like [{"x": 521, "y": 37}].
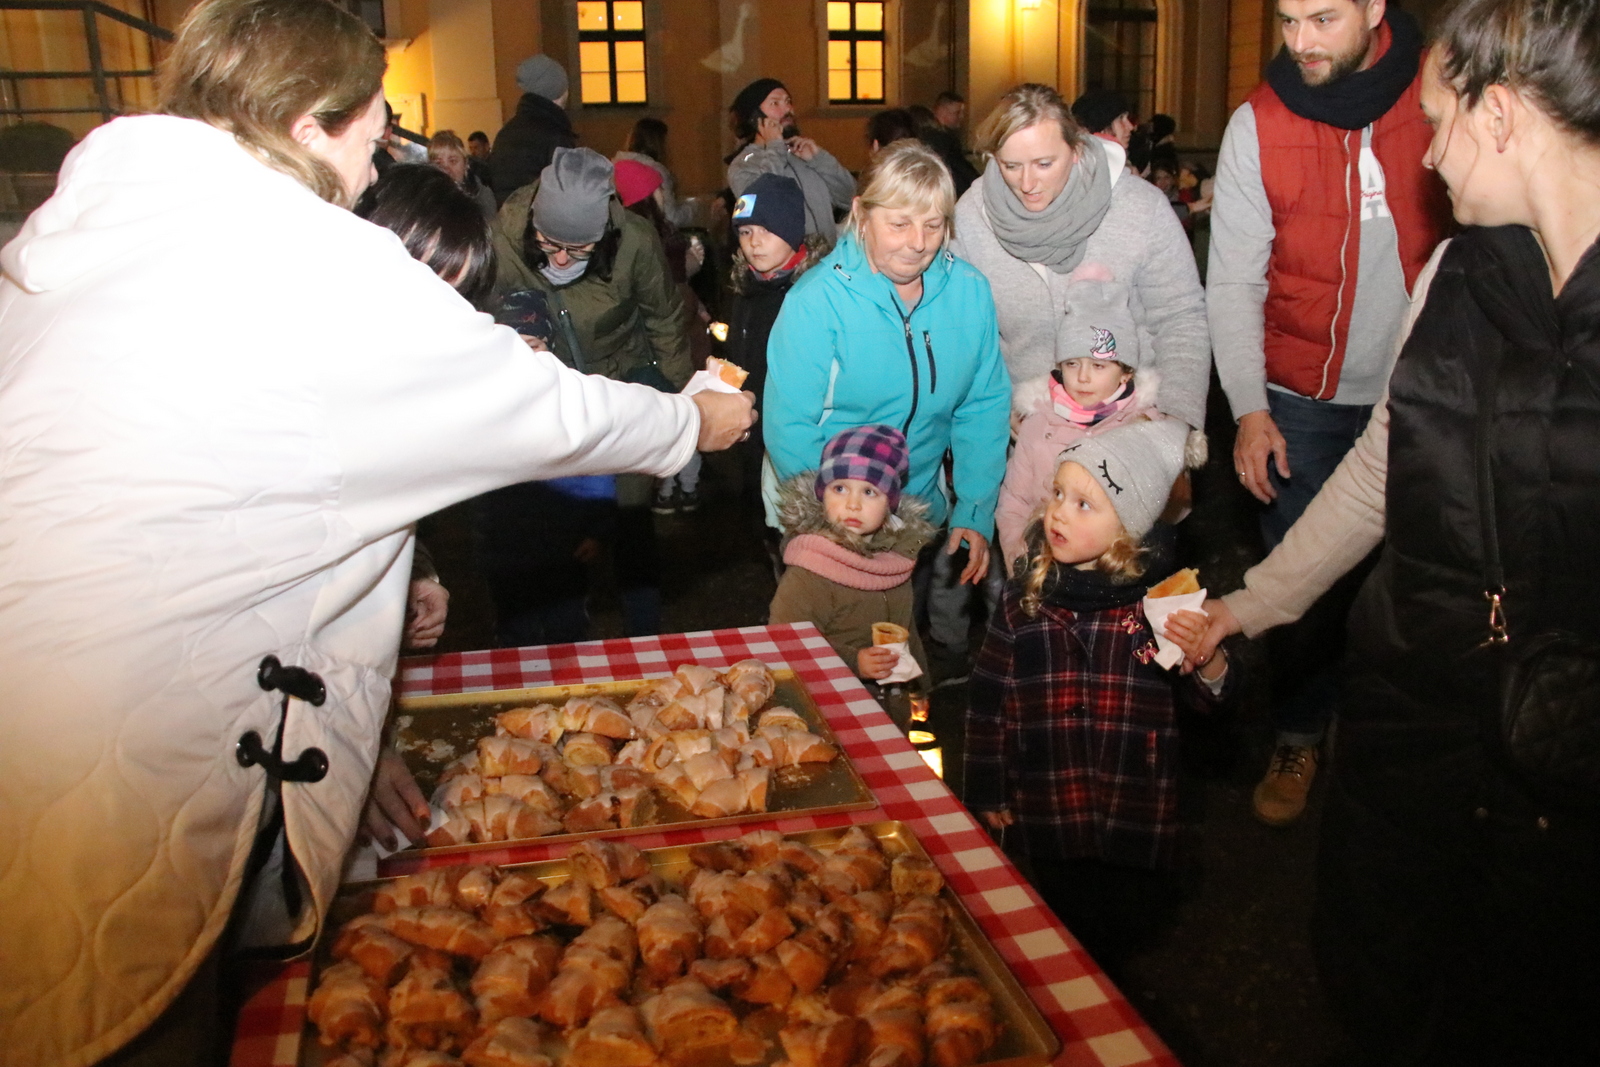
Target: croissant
[
  {"x": 629, "y": 901},
  {"x": 615, "y": 778},
  {"x": 508, "y": 1043},
  {"x": 805, "y": 902},
  {"x": 762, "y": 935},
  {"x": 768, "y": 983},
  {"x": 502, "y": 818},
  {"x": 686, "y": 1016},
  {"x": 636, "y": 806},
  {"x": 499, "y": 756},
  {"x": 538, "y": 723},
  {"x": 455, "y": 830},
  {"x": 806, "y": 958},
  {"x": 679, "y": 715},
  {"x": 611, "y": 936},
  {"x": 720, "y": 974},
  {"x": 719, "y": 893},
  {"x": 348, "y": 1007},
  {"x": 558, "y": 776},
  {"x": 784, "y": 718},
  {"x": 755, "y": 783},
  {"x": 831, "y": 1044},
  {"x": 614, "y": 1038},
  {"x": 436, "y": 887},
  {"x": 794, "y": 747},
  {"x": 669, "y": 937},
  {"x": 846, "y": 873},
  {"x": 464, "y": 764},
  {"x": 757, "y": 752},
  {"x": 721, "y": 934},
  {"x": 720, "y": 799},
  {"x": 586, "y": 749},
  {"x": 915, "y": 937},
  {"x": 632, "y": 753},
  {"x": 475, "y": 886},
  {"x": 426, "y": 1010},
  {"x": 606, "y": 863},
  {"x": 654, "y": 695},
  {"x": 372, "y": 948},
  {"x": 510, "y": 978},
  {"x": 912, "y": 876},
  {"x": 445, "y": 929},
  {"x": 359, "y": 1057},
  {"x": 751, "y": 681},
  {"x": 719, "y": 856},
  {"x": 587, "y": 780},
  {"x": 512, "y": 920},
  {"x": 673, "y": 782},
  {"x": 595, "y": 813},
  {"x": 607, "y": 719},
  {"x": 528, "y": 788},
  {"x": 570, "y": 903},
  {"x": 695, "y": 678},
  {"x": 955, "y": 988},
  {"x": 768, "y": 887},
  {"x": 865, "y": 918},
  {"x": 894, "y": 1038},
  {"x": 457, "y": 790},
  {"x": 960, "y": 1032},
  {"x": 516, "y": 887}
]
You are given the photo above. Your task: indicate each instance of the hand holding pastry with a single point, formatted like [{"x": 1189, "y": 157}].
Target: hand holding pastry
[
  {"x": 876, "y": 662},
  {"x": 724, "y": 418}
]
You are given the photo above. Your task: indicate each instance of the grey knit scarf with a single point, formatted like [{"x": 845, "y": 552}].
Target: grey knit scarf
[{"x": 1055, "y": 236}]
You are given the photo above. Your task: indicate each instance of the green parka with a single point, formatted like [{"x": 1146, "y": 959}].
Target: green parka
[{"x": 623, "y": 314}]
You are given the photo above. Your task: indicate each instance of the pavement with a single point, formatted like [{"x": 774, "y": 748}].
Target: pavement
[{"x": 1230, "y": 981}]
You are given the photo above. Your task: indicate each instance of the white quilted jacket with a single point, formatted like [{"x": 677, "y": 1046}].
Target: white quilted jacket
[{"x": 223, "y": 403}]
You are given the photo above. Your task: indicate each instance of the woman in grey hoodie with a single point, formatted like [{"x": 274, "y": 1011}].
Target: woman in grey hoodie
[{"x": 1054, "y": 202}]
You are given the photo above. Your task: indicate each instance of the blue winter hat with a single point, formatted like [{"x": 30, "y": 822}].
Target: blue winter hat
[{"x": 775, "y": 203}]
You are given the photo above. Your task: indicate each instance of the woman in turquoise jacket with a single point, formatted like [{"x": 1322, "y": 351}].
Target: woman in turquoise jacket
[{"x": 892, "y": 329}]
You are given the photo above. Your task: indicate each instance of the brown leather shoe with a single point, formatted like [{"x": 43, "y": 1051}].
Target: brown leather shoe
[{"x": 1280, "y": 797}]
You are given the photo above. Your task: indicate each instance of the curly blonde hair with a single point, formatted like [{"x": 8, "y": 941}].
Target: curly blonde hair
[{"x": 1124, "y": 561}]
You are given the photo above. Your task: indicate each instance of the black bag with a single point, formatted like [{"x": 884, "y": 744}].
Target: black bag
[{"x": 1548, "y": 721}]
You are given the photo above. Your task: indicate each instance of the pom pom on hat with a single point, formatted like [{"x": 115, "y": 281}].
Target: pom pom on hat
[
  {"x": 872, "y": 454},
  {"x": 1136, "y": 466}
]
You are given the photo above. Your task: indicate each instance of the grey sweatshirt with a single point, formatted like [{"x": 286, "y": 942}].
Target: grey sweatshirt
[
  {"x": 1242, "y": 236},
  {"x": 1143, "y": 245},
  {"x": 825, "y": 183}
]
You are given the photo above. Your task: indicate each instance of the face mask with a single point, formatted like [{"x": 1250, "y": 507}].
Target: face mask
[{"x": 563, "y": 275}]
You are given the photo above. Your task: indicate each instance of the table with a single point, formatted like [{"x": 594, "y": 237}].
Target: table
[{"x": 1097, "y": 1026}]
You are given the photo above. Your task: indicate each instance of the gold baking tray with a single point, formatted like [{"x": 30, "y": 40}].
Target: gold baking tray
[
  {"x": 1026, "y": 1040},
  {"x": 435, "y": 730}
]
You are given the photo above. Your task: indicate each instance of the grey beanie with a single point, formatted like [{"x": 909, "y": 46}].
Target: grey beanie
[
  {"x": 542, "y": 76},
  {"x": 574, "y": 197},
  {"x": 1136, "y": 466},
  {"x": 1099, "y": 324}
]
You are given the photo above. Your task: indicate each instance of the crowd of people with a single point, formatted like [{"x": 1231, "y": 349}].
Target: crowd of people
[{"x": 977, "y": 383}]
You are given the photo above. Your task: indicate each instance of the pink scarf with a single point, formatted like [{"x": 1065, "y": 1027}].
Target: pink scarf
[
  {"x": 875, "y": 573},
  {"x": 1075, "y": 412}
]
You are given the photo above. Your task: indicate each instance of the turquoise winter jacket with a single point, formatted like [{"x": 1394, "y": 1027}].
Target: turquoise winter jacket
[{"x": 844, "y": 353}]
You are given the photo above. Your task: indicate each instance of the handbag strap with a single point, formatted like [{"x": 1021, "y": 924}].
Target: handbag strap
[{"x": 1494, "y": 579}]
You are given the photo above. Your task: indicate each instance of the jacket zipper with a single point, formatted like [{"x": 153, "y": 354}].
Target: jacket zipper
[
  {"x": 1344, "y": 271},
  {"x": 572, "y": 339},
  {"x": 933, "y": 368},
  {"x": 916, "y": 377}
]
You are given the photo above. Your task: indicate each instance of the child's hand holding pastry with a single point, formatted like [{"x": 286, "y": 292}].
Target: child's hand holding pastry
[
  {"x": 1188, "y": 630},
  {"x": 876, "y": 662}
]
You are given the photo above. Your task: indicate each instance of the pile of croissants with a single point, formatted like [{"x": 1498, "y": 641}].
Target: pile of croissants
[
  {"x": 696, "y": 737},
  {"x": 769, "y": 949}
]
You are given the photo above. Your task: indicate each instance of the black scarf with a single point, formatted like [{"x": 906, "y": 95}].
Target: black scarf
[
  {"x": 1092, "y": 590},
  {"x": 1361, "y": 98}
]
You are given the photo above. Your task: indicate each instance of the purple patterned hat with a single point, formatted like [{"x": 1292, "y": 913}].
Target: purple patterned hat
[{"x": 872, "y": 454}]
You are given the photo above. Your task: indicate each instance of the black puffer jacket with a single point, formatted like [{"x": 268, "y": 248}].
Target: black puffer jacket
[
  {"x": 526, "y": 143},
  {"x": 1457, "y": 913}
]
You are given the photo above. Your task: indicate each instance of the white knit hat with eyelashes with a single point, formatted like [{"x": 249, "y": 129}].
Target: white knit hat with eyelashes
[{"x": 1136, "y": 466}]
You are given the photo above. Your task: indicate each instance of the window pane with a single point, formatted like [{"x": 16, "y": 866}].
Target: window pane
[
  {"x": 592, "y": 15},
  {"x": 839, "y": 55},
  {"x": 869, "y": 84},
  {"x": 630, "y": 56},
  {"x": 630, "y": 88},
  {"x": 596, "y": 88},
  {"x": 838, "y": 16},
  {"x": 627, "y": 15},
  {"x": 594, "y": 57},
  {"x": 838, "y": 85},
  {"x": 869, "y": 55},
  {"x": 869, "y": 16}
]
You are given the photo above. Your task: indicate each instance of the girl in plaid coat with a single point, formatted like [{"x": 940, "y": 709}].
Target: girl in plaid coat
[{"x": 1071, "y": 729}]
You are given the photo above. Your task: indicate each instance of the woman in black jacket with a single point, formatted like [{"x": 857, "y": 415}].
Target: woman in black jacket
[{"x": 1458, "y": 911}]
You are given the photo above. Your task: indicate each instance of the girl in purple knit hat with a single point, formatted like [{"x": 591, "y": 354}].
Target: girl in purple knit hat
[{"x": 852, "y": 541}]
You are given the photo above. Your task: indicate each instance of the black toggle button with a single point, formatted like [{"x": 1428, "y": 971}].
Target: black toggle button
[
  {"x": 295, "y": 681},
  {"x": 310, "y": 766}
]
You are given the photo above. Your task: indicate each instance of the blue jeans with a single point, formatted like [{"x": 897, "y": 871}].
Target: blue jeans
[{"x": 1306, "y": 655}]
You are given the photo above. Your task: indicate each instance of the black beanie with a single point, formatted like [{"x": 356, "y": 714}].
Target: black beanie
[
  {"x": 774, "y": 203},
  {"x": 750, "y": 98},
  {"x": 1097, "y": 109}
]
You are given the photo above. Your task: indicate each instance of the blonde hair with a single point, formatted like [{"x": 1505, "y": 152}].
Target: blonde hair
[
  {"x": 1123, "y": 560},
  {"x": 252, "y": 67},
  {"x": 442, "y": 142},
  {"x": 1025, "y": 106},
  {"x": 905, "y": 175}
]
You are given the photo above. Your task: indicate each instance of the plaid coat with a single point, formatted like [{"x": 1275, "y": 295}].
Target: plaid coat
[{"x": 1073, "y": 727}]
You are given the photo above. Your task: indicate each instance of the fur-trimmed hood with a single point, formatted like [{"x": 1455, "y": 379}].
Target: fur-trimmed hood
[
  {"x": 744, "y": 281},
  {"x": 800, "y": 512},
  {"x": 1033, "y": 396}
]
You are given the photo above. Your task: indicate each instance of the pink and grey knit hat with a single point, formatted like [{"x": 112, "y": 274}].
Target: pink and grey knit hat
[{"x": 872, "y": 454}]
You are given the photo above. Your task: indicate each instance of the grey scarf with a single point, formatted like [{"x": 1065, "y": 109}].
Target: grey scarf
[{"x": 1055, "y": 236}]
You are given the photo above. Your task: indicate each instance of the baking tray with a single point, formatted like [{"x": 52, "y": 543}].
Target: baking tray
[
  {"x": 1026, "y": 1040},
  {"x": 432, "y": 731}
]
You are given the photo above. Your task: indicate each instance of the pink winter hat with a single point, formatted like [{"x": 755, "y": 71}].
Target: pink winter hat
[{"x": 635, "y": 181}]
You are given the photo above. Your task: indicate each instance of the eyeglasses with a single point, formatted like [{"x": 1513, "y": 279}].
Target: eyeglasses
[{"x": 550, "y": 248}]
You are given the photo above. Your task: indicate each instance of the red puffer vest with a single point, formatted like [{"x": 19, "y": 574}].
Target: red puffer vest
[{"x": 1313, "y": 181}]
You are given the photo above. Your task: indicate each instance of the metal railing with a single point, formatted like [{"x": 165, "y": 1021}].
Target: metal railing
[{"x": 92, "y": 10}]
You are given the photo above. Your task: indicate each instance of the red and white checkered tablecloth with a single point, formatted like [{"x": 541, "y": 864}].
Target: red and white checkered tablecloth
[{"x": 1098, "y": 1028}]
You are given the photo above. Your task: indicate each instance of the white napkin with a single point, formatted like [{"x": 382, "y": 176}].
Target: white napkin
[
  {"x": 1156, "y": 609},
  {"x": 905, "y": 667},
  {"x": 361, "y": 862},
  {"x": 706, "y": 381}
]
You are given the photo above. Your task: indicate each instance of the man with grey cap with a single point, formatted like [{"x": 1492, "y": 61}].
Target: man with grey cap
[
  {"x": 526, "y": 144},
  {"x": 616, "y": 311}
]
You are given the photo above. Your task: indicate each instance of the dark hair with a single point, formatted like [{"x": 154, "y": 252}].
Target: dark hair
[
  {"x": 649, "y": 138},
  {"x": 673, "y": 242},
  {"x": 439, "y": 225},
  {"x": 887, "y": 127},
  {"x": 477, "y": 135},
  {"x": 949, "y": 96},
  {"x": 1547, "y": 50},
  {"x": 1162, "y": 127}
]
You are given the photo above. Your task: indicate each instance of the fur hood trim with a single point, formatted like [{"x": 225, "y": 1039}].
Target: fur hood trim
[
  {"x": 816, "y": 248},
  {"x": 800, "y": 512},
  {"x": 1033, "y": 396}
]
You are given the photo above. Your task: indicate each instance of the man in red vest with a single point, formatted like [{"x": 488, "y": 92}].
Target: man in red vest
[{"x": 1324, "y": 216}]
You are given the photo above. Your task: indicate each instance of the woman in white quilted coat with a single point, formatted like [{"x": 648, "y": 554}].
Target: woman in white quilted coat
[{"x": 224, "y": 401}]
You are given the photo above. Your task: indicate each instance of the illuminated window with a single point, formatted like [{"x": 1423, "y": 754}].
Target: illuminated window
[
  {"x": 1119, "y": 46},
  {"x": 855, "y": 52},
  {"x": 611, "y": 51}
]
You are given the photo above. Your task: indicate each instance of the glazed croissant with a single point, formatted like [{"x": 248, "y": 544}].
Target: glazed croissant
[
  {"x": 348, "y": 1007},
  {"x": 510, "y": 1042}
]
